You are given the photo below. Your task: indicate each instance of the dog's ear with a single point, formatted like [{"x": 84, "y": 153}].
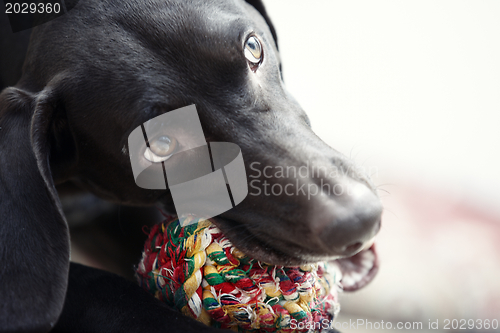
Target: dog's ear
[
  {"x": 34, "y": 238},
  {"x": 257, "y": 4}
]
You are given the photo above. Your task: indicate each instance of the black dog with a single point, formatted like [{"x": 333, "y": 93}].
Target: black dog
[{"x": 96, "y": 73}]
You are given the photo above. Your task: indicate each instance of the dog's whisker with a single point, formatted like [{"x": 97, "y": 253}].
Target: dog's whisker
[
  {"x": 390, "y": 211},
  {"x": 386, "y": 184},
  {"x": 383, "y": 190}
]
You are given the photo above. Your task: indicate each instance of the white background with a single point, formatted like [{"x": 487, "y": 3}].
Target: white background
[
  {"x": 407, "y": 88},
  {"x": 411, "y": 91}
]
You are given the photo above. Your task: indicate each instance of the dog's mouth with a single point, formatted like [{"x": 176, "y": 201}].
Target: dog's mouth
[{"x": 357, "y": 270}]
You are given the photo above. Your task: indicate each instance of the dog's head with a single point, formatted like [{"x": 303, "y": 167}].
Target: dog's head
[{"x": 97, "y": 73}]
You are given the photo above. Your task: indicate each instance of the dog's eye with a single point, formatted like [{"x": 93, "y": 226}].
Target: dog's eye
[
  {"x": 253, "y": 51},
  {"x": 160, "y": 149}
]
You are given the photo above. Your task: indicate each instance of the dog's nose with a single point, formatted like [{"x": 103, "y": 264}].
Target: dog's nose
[{"x": 350, "y": 220}]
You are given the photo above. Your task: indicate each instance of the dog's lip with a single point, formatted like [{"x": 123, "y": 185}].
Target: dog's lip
[
  {"x": 358, "y": 270},
  {"x": 255, "y": 247}
]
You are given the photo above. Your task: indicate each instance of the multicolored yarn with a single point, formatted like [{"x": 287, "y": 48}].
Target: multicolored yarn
[{"x": 198, "y": 271}]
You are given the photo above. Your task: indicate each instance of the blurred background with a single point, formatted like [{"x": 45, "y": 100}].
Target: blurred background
[{"x": 411, "y": 91}]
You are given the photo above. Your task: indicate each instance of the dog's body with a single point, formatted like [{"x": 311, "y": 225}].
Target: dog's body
[{"x": 93, "y": 75}]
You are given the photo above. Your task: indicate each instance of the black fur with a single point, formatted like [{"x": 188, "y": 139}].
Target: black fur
[
  {"x": 93, "y": 75},
  {"x": 99, "y": 301}
]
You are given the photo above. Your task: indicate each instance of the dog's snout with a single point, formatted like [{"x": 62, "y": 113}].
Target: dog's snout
[{"x": 349, "y": 221}]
